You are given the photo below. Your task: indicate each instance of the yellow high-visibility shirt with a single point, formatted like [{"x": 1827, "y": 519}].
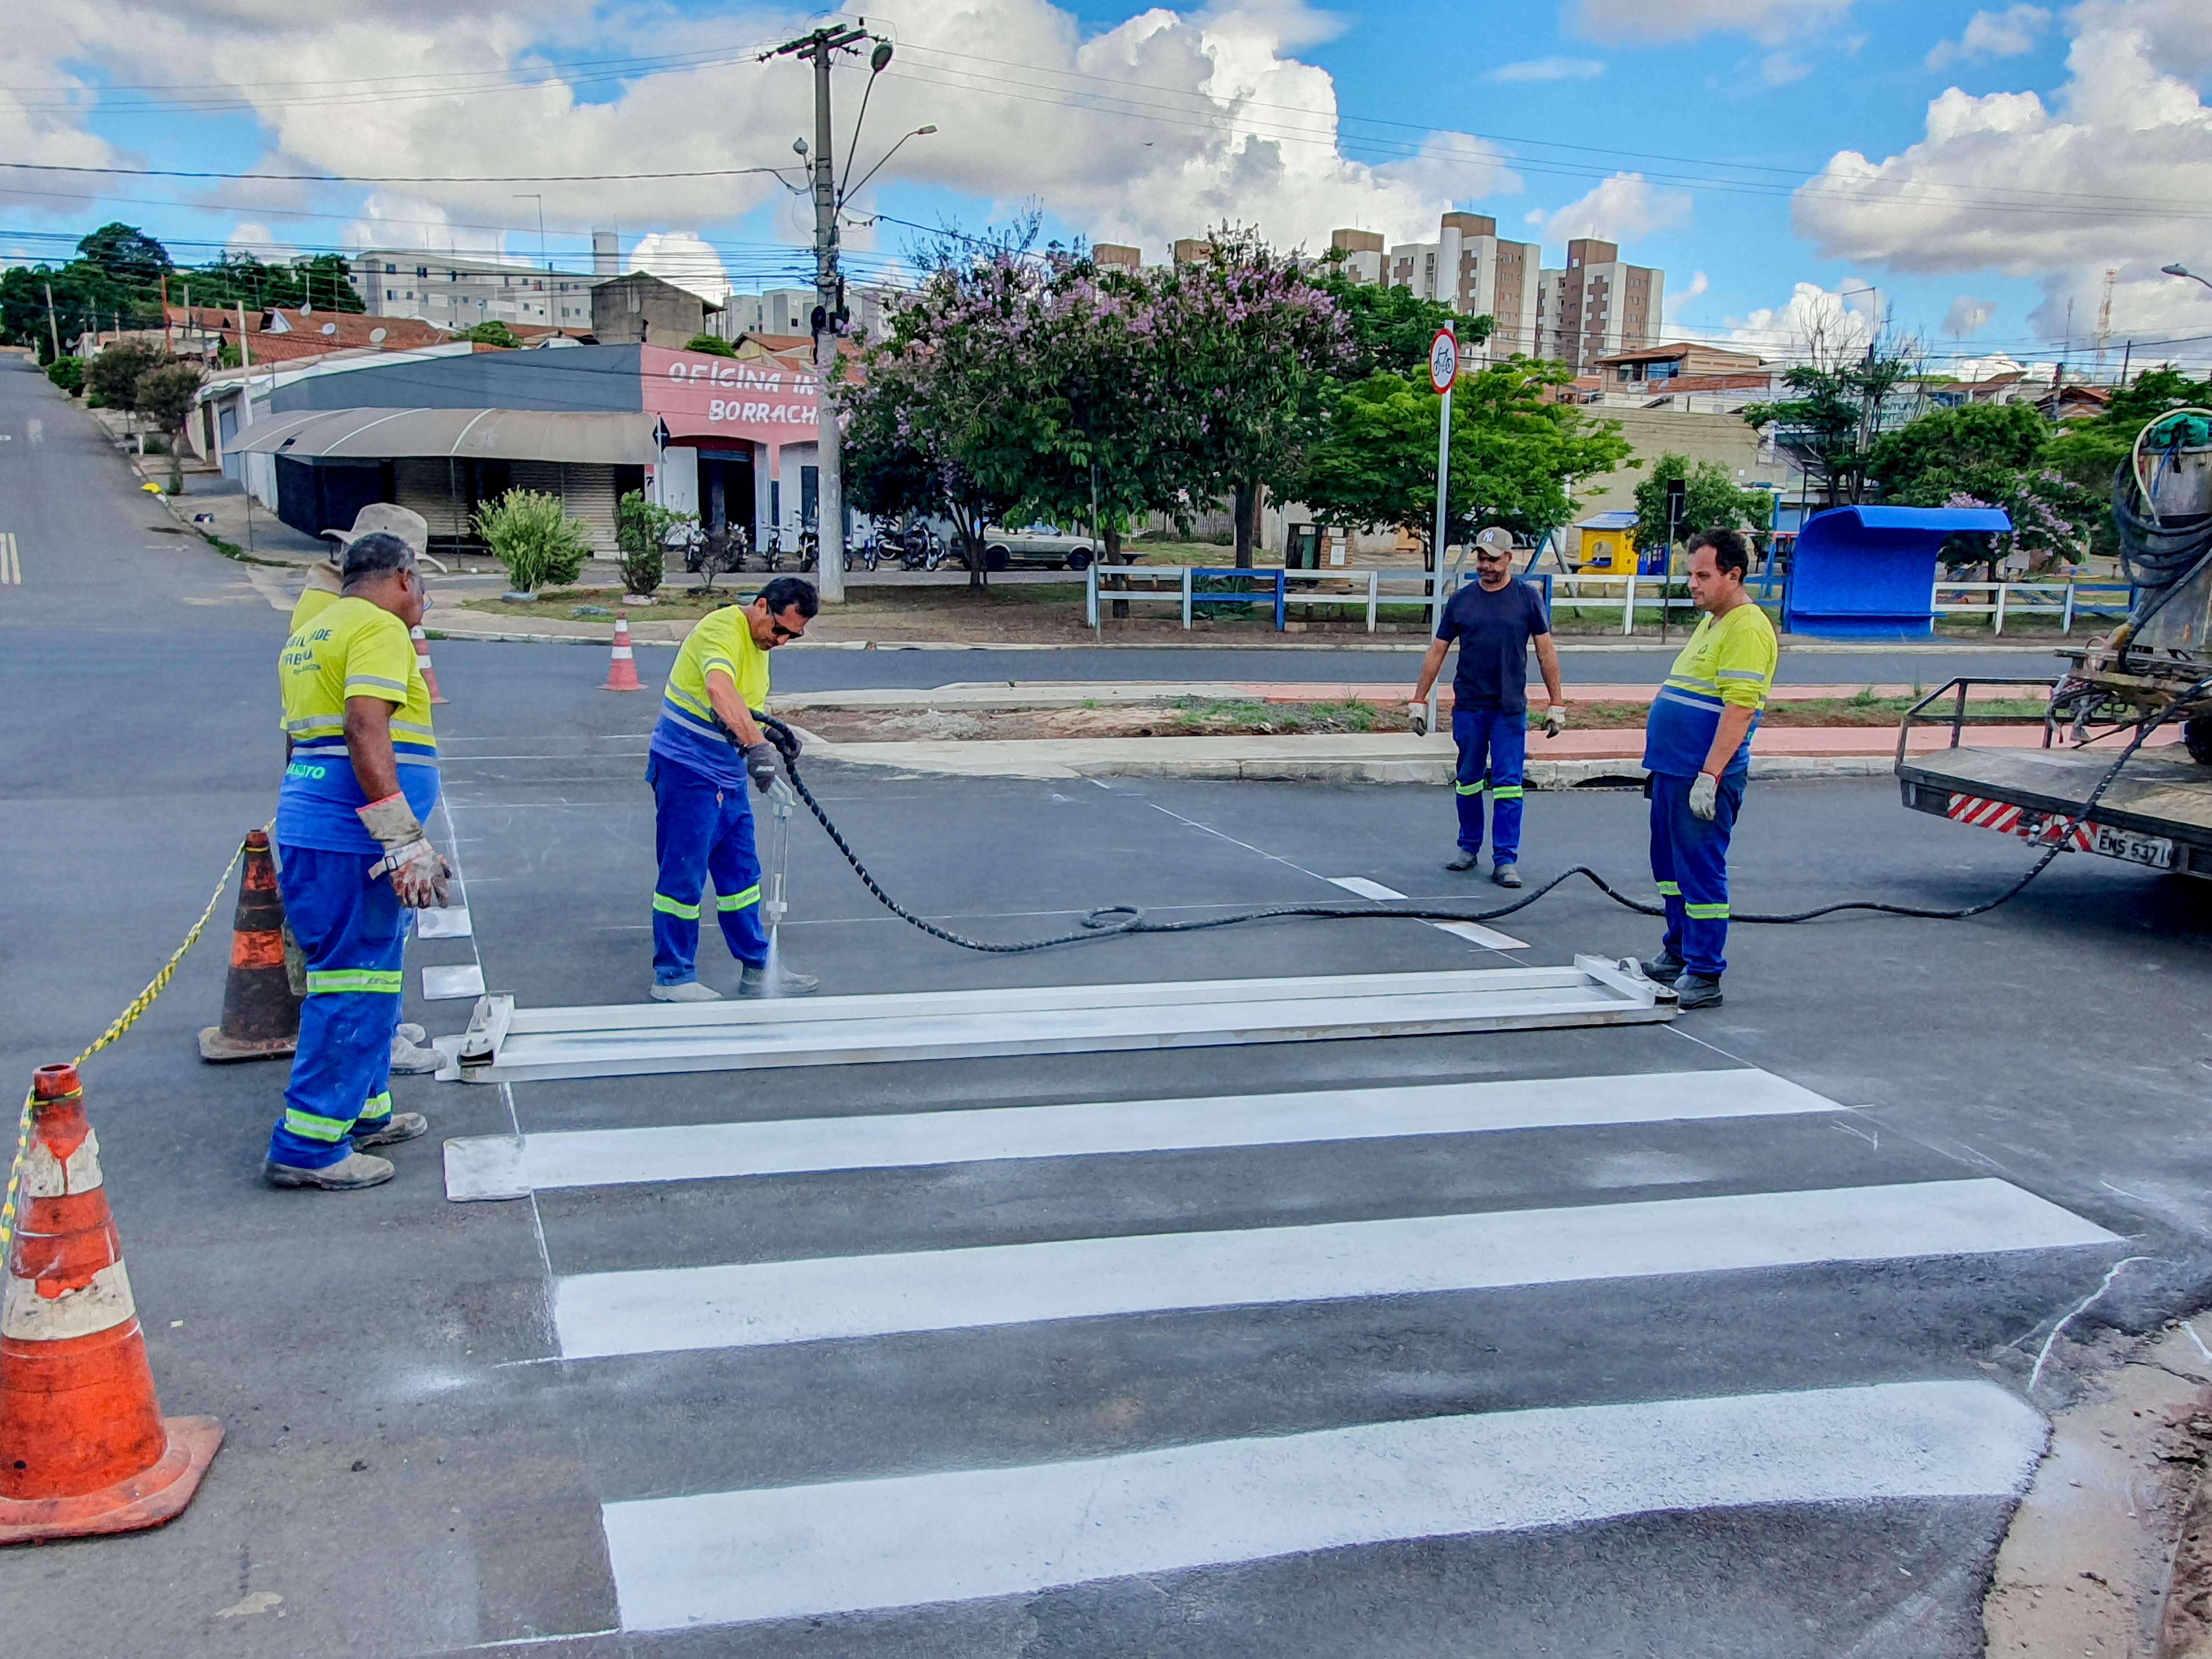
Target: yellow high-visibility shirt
[
  {"x": 1729, "y": 660},
  {"x": 687, "y": 731},
  {"x": 321, "y": 592},
  {"x": 350, "y": 648}
]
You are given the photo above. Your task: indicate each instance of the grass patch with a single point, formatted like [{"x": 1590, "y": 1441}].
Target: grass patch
[{"x": 1205, "y": 716}]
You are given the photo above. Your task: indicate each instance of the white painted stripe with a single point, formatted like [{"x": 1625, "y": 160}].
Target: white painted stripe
[
  {"x": 714, "y": 1151},
  {"x": 453, "y": 922},
  {"x": 450, "y": 984},
  {"x": 1472, "y": 931},
  {"x": 799, "y": 1552},
  {"x": 743, "y": 1304}
]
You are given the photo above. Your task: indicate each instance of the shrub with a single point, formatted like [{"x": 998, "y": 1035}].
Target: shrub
[
  {"x": 493, "y": 333},
  {"x": 112, "y": 376},
  {"x": 68, "y": 373},
  {"x": 531, "y": 534},
  {"x": 712, "y": 344},
  {"x": 640, "y": 527}
]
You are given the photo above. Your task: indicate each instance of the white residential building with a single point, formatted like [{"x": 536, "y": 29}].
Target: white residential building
[
  {"x": 1597, "y": 305},
  {"x": 1468, "y": 267},
  {"x": 453, "y": 292}
]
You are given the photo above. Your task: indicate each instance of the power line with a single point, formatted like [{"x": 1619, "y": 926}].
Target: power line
[{"x": 393, "y": 178}]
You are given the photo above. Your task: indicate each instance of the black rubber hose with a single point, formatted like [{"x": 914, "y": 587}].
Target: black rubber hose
[{"x": 1113, "y": 921}]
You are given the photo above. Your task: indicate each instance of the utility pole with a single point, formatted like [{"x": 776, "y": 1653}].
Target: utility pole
[
  {"x": 830, "y": 499},
  {"x": 53, "y": 328}
]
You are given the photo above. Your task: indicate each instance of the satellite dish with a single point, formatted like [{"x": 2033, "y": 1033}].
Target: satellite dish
[
  {"x": 306, "y": 307},
  {"x": 376, "y": 335},
  {"x": 329, "y": 328}
]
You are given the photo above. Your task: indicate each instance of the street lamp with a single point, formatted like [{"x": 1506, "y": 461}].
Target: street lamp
[
  {"x": 846, "y": 194},
  {"x": 2180, "y": 271}
]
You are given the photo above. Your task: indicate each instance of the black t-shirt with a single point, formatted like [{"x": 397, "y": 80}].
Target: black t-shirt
[{"x": 1493, "y": 631}]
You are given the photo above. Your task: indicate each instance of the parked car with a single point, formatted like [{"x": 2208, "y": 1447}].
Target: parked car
[{"x": 1038, "y": 544}]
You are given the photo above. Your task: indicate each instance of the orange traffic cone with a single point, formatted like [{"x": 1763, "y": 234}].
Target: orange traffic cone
[
  {"x": 423, "y": 659},
  {"x": 260, "y": 1009},
  {"x": 83, "y": 1446},
  {"x": 621, "y": 671}
]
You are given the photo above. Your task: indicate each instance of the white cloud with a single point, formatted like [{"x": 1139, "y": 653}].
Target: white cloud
[
  {"x": 1967, "y": 315},
  {"x": 1815, "y": 323},
  {"x": 1987, "y": 369},
  {"x": 1645, "y": 21},
  {"x": 682, "y": 258},
  {"x": 2057, "y": 191},
  {"x": 1678, "y": 302},
  {"x": 2006, "y": 34},
  {"x": 1549, "y": 68},
  {"x": 1232, "y": 124},
  {"x": 257, "y": 240},
  {"x": 1779, "y": 69},
  {"x": 1620, "y": 209}
]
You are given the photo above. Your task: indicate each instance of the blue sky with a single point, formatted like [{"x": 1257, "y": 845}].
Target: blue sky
[{"x": 1688, "y": 131}]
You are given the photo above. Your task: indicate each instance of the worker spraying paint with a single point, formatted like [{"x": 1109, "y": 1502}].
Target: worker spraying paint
[{"x": 706, "y": 747}]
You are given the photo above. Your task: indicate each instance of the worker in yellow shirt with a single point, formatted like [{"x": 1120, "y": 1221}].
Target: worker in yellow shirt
[
  {"x": 325, "y": 581},
  {"x": 703, "y": 822},
  {"x": 1697, "y": 747},
  {"x": 361, "y": 774},
  {"x": 411, "y": 1055}
]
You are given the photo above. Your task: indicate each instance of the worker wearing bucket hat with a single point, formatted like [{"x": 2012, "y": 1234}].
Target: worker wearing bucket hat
[{"x": 376, "y": 518}]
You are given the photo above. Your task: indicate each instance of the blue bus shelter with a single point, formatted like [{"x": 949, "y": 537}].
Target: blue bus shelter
[{"x": 1869, "y": 572}]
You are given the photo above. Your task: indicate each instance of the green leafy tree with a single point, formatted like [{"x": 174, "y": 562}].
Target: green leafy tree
[
  {"x": 1710, "y": 501},
  {"x": 1988, "y": 455},
  {"x": 166, "y": 395},
  {"x": 85, "y": 298},
  {"x": 712, "y": 344},
  {"x": 68, "y": 373},
  {"x": 641, "y": 527},
  {"x": 493, "y": 333},
  {"x": 1843, "y": 401},
  {"x": 1392, "y": 327},
  {"x": 531, "y": 533},
  {"x": 1256, "y": 343},
  {"x": 1515, "y": 454},
  {"x": 2089, "y": 452},
  {"x": 126, "y": 254},
  {"x": 112, "y": 376}
]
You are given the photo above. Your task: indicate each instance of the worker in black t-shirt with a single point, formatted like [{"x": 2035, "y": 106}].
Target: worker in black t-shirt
[{"x": 1495, "y": 619}]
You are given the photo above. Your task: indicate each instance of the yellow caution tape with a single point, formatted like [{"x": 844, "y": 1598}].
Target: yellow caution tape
[{"x": 122, "y": 1022}]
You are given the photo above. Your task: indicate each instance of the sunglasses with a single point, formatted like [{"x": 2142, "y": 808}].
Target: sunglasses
[{"x": 783, "y": 632}]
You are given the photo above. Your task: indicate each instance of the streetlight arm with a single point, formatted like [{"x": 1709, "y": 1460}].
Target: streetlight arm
[
  {"x": 843, "y": 196},
  {"x": 2181, "y": 270}
]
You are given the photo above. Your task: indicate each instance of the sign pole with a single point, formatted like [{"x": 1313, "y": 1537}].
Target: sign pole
[{"x": 1444, "y": 370}]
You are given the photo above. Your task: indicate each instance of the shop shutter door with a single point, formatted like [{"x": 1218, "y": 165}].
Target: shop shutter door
[
  {"x": 438, "y": 490},
  {"x": 589, "y": 492}
]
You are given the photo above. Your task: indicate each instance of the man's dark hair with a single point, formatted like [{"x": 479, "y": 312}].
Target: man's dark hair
[
  {"x": 373, "y": 556},
  {"x": 1730, "y": 550},
  {"x": 788, "y": 593}
]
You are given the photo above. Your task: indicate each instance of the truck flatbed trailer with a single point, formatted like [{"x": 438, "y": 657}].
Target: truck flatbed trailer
[{"x": 2158, "y": 812}]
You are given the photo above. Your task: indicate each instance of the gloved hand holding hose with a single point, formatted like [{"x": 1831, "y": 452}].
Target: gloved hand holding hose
[
  {"x": 762, "y": 765},
  {"x": 420, "y": 876}
]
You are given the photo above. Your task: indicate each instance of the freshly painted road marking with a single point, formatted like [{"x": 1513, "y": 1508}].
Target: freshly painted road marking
[
  {"x": 505, "y": 1166},
  {"x": 453, "y": 922},
  {"x": 741, "y": 1304},
  {"x": 1472, "y": 931},
  {"x": 450, "y": 984},
  {"x": 802, "y": 1552},
  {"x": 11, "y": 561}
]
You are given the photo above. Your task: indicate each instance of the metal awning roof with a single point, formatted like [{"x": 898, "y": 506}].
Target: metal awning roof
[{"x": 504, "y": 434}]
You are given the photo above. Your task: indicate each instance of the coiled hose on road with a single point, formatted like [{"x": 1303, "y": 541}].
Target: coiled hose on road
[{"x": 1117, "y": 921}]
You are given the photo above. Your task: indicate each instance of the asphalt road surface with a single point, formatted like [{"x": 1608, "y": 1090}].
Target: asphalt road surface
[{"x": 1744, "y": 1371}]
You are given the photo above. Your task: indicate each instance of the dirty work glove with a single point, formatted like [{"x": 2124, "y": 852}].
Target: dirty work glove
[
  {"x": 1555, "y": 720},
  {"x": 762, "y": 765},
  {"x": 1704, "y": 796},
  {"x": 1417, "y": 716},
  {"x": 419, "y": 876}
]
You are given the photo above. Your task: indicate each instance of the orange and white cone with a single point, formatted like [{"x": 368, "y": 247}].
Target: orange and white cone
[
  {"x": 422, "y": 661},
  {"x": 83, "y": 1446},
  {"x": 621, "y": 671}
]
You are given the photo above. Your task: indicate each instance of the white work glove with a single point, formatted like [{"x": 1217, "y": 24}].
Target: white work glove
[
  {"x": 419, "y": 876},
  {"x": 762, "y": 765},
  {"x": 1417, "y": 716},
  {"x": 1555, "y": 720},
  {"x": 1704, "y": 796}
]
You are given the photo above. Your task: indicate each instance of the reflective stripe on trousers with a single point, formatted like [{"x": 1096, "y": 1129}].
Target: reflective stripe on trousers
[
  {"x": 1689, "y": 863},
  {"x": 1493, "y": 750},
  {"x": 701, "y": 828},
  {"x": 352, "y": 932}
]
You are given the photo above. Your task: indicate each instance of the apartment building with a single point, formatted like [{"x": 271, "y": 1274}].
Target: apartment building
[
  {"x": 453, "y": 293},
  {"x": 789, "y": 312},
  {"x": 1597, "y": 305},
  {"x": 1470, "y": 267}
]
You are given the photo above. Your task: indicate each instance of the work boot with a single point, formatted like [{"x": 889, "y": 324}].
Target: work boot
[
  {"x": 689, "y": 990},
  {"x": 412, "y": 1056},
  {"x": 1697, "y": 991},
  {"x": 1462, "y": 859},
  {"x": 400, "y": 1125},
  {"x": 1666, "y": 967},
  {"x": 353, "y": 1170},
  {"x": 1505, "y": 875},
  {"x": 755, "y": 982}
]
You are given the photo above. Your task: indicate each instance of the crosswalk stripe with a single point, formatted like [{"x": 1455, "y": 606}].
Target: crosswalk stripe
[
  {"x": 1472, "y": 931},
  {"x": 507, "y": 1166},
  {"x": 11, "y": 561},
  {"x": 656, "y": 1310},
  {"x": 792, "y": 1552}
]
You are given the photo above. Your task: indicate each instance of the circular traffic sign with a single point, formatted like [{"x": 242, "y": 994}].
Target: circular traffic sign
[{"x": 1444, "y": 359}]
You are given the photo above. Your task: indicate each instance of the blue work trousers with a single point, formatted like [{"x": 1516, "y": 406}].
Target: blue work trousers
[
  {"x": 352, "y": 932},
  {"x": 701, "y": 828},
  {"x": 1689, "y": 860},
  {"x": 1494, "y": 752}
]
